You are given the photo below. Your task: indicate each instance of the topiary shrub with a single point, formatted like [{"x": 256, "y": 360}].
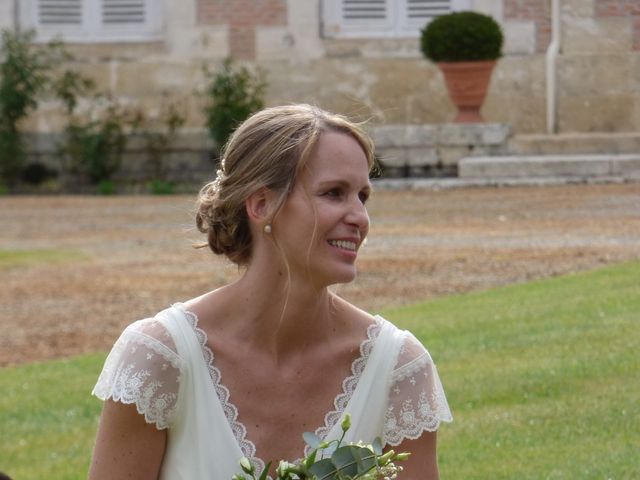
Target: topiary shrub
[{"x": 462, "y": 37}]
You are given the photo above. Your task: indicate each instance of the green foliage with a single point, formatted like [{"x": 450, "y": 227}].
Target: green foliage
[
  {"x": 233, "y": 94},
  {"x": 25, "y": 70},
  {"x": 95, "y": 141},
  {"x": 158, "y": 132},
  {"x": 337, "y": 461},
  {"x": 161, "y": 187},
  {"x": 461, "y": 37},
  {"x": 69, "y": 86},
  {"x": 94, "y": 148},
  {"x": 106, "y": 187}
]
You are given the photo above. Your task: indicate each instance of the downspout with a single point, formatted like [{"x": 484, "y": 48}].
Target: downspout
[
  {"x": 16, "y": 16},
  {"x": 552, "y": 54}
]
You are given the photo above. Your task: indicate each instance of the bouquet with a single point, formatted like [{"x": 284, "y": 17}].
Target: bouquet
[{"x": 350, "y": 461}]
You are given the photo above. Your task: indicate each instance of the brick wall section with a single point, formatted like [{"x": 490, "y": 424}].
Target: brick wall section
[
  {"x": 537, "y": 11},
  {"x": 622, "y": 8},
  {"x": 242, "y": 17}
]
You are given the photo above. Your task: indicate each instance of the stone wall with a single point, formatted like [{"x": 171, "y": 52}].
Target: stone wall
[
  {"x": 385, "y": 81},
  {"x": 402, "y": 151}
]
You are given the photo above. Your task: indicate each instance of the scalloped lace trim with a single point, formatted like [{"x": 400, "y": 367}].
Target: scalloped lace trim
[
  {"x": 349, "y": 384},
  {"x": 247, "y": 447}
]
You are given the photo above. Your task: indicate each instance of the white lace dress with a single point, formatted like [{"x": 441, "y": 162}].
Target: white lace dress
[{"x": 164, "y": 366}]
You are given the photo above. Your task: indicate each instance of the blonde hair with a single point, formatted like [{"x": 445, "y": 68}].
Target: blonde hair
[{"x": 268, "y": 150}]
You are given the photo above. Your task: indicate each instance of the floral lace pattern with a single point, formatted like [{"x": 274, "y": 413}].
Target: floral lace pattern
[
  {"x": 349, "y": 384},
  {"x": 247, "y": 447},
  {"x": 142, "y": 369},
  {"x": 417, "y": 402}
]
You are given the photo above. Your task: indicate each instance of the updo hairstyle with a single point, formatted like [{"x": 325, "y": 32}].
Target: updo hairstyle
[{"x": 268, "y": 150}]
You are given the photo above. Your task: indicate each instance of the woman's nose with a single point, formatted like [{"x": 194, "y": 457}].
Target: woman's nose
[{"x": 357, "y": 214}]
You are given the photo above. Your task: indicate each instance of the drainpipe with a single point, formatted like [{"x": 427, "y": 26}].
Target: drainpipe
[
  {"x": 552, "y": 53},
  {"x": 16, "y": 16}
]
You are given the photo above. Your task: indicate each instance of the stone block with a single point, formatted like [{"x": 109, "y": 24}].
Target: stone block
[
  {"x": 388, "y": 136},
  {"x": 519, "y": 37},
  {"x": 207, "y": 43},
  {"x": 393, "y": 157},
  {"x": 626, "y": 166},
  {"x": 452, "y": 155},
  {"x": 576, "y": 166},
  {"x": 274, "y": 42},
  {"x": 577, "y": 8},
  {"x": 421, "y": 157},
  {"x": 138, "y": 80},
  {"x": 597, "y": 76},
  {"x": 599, "y": 113},
  {"x": 420, "y": 135},
  {"x": 602, "y": 36},
  {"x": 457, "y": 134}
]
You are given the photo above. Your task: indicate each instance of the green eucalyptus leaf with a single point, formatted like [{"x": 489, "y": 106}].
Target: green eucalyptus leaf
[
  {"x": 311, "y": 439},
  {"x": 365, "y": 459},
  {"x": 345, "y": 460},
  {"x": 324, "y": 469}
]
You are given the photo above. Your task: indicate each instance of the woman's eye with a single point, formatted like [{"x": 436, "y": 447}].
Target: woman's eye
[
  {"x": 334, "y": 192},
  {"x": 363, "y": 196}
]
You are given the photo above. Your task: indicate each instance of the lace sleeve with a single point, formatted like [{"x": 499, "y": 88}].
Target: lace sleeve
[
  {"x": 143, "y": 368},
  {"x": 417, "y": 402}
]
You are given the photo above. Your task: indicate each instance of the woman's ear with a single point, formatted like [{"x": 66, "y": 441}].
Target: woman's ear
[{"x": 258, "y": 206}]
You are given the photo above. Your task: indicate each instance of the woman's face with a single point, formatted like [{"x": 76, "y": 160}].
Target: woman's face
[{"x": 324, "y": 220}]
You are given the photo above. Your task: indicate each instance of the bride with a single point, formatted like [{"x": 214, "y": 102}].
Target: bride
[{"x": 244, "y": 370}]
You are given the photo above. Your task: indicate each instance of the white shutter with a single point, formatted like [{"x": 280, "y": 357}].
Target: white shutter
[
  {"x": 358, "y": 18},
  {"x": 94, "y": 20},
  {"x": 59, "y": 12},
  {"x": 417, "y": 13},
  {"x": 364, "y": 10},
  {"x": 120, "y": 12}
]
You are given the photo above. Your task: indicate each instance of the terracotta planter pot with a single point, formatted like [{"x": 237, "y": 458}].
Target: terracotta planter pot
[{"x": 467, "y": 83}]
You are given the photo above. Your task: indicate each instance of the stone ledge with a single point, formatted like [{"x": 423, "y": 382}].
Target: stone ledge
[
  {"x": 625, "y": 166},
  {"x": 419, "y": 150}
]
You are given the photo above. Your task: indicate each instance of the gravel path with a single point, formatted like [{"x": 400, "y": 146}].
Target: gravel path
[{"x": 123, "y": 258}]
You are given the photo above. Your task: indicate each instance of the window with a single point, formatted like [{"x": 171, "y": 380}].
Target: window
[
  {"x": 383, "y": 18},
  {"x": 93, "y": 20}
]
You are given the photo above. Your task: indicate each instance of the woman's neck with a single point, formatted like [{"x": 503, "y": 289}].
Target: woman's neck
[{"x": 267, "y": 311}]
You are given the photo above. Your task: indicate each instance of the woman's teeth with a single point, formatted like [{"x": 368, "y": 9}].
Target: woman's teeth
[{"x": 343, "y": 244}]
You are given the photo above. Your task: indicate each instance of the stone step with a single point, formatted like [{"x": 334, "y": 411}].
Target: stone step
[
  {"x": 575, "y": 143},
  {"x": 613, "y": 166}
]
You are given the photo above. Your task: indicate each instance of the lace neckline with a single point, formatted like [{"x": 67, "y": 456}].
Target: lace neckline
[{"x": 349, "y": 385}]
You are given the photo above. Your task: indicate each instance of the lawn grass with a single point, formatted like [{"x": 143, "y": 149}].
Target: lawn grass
[
  {"x": 24, "y": 258},
  {"x": 48, "y": 418},
  {"x": 542, "y": 378}
]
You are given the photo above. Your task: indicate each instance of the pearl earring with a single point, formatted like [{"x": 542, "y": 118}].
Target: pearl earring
[{"x": 267, "y": 228}]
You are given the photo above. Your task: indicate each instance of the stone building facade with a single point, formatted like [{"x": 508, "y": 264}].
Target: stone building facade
[{"x": 316, "y": 51}]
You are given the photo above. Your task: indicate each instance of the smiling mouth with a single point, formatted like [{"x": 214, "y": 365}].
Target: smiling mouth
[{"x": 347, "y": 245}]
